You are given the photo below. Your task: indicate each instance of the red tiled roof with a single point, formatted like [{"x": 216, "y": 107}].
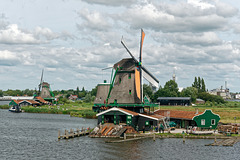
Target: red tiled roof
[
  {"x": 154, "y": 116},
  {"x": 130, "y": 112},
  {"x": 32, "y": 101},
  {"x": 178, "y": 114},
  {"x": 41, "y": 99},
  {"x": 17, "y": 101}
]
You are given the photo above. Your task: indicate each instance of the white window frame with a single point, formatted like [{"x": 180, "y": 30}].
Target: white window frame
[
  {"x": 203, "y": 122},
  {"x": 212, "y": 121}
]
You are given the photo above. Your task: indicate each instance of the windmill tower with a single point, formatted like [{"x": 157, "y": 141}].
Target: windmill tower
[
  {"x": 128, "y": 78},
  {"x": 44, "y": 89}
]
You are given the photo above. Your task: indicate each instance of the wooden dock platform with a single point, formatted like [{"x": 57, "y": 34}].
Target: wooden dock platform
[
  {"x": 225, "y": 142},
  {"x": 71, "y": 134}
]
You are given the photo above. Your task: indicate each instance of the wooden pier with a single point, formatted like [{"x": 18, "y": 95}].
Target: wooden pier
[
  {"x": 225, "y": 142},
  {"x": 71, "y": 134}
]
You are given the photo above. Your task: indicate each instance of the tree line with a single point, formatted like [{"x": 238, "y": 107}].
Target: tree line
[{"x": 170, "y": 89}]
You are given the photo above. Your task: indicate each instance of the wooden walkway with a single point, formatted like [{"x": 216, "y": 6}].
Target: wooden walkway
[
  {"x": 225, "y": 142},
  {"x": 71, "y": 134}
]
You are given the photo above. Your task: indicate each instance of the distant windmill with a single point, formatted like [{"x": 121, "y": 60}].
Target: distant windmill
[
  {"x": 40, "y": 84},
  {"x": 44, "y": 89}
]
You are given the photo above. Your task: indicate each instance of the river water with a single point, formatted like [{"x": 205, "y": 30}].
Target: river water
[{"x": 34, "y": 136}]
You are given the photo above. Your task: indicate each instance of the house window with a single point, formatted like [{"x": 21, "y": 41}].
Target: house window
[
  {"x": 129, "y": 76},
  {"x": 130, "y": 91},
  {"x": 203, "y": 122},
  {"x": 213, "y": 122}
]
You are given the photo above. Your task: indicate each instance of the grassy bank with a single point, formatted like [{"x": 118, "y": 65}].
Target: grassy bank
[
  {"x": 227, "y": 111},
  {"x": 75, "y": 109},
  {"x": 5, "y": 106}
]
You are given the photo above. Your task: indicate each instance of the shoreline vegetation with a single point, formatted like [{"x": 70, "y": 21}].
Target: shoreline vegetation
[
  {"x": 74, "y": 109},
  {"x": 229, "y": 111}
]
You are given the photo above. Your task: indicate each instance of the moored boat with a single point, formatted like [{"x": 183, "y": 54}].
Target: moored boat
[{"x": 15, "y": 108}]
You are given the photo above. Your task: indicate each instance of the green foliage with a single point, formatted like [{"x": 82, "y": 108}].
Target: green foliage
[
  {"x": 5, "y": 106},
  {"x": 94, "y": 91},
  {"x": 212, "y": 98},
  {"x": 1, "y": 93},
  {"x": 89, "y": 98},
  {"x": 147, "y": 91},
  {"x": 199, "y": 84},
  {"x": 170, "y": 90},
  {"x": 190, "y": 92}
]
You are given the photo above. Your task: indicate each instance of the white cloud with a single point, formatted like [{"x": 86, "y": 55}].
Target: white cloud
[
  {"x": 8, "y": 58},
  {"x": 13, "y": 35},
  {"x": 93, "y": 20},
  {"x": 45, "y": 32},
  {"x": 111, "y": 3}
]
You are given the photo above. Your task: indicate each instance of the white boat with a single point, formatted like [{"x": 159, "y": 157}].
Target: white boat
[{"x": 16, "y": 109}]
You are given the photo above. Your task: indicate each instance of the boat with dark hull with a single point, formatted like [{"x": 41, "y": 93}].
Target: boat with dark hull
[{"x": 15, "y": 108}]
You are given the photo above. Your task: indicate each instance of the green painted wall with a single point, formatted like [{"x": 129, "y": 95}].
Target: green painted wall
[
  {"x": 206, "y": 119},
  {"x": 12, "y": 103}
]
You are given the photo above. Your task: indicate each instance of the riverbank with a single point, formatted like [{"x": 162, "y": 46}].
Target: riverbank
[
  {"x": 229, "y": 112},
  {"x": 74, "y": 109}
]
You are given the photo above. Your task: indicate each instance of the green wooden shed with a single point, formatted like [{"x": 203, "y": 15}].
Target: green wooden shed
[{"x": 207, "y": 119}]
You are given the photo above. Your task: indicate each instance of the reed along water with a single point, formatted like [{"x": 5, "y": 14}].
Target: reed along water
[{"x": 34, "y": 136}]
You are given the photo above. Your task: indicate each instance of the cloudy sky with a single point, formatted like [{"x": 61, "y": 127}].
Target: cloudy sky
[{"x": 72, "y": 40}]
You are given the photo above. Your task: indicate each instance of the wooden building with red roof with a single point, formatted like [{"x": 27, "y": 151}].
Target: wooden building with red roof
[
  {"x": 124, "y": 116},
  {"x": 184, "y": 119}
]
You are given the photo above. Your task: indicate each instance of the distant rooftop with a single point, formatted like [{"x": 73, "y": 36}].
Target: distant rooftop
[{"x": 174, "y": 98}]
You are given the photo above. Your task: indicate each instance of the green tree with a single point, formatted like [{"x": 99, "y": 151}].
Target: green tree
[
  {"x": 190, "y": 92},
  {"x": 88, "y": 98},
  {"x": 171, "y": 88},
  {"x": 203, "y": 89},
  {"x": 199, "y": 86},
  {"x": 94, "y": 91},
  {"x": 1, "y": 93},
  {"x": 195, "y": 83},
  {"x": 147, "y": 91},
  {"x": 77, "y": 92}
]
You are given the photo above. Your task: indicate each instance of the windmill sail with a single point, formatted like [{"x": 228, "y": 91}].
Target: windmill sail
[
  {"x": 141, "y": 44},
  {"x": 41, "y": 81},
  {"x": 150, "y": 78},
  {"x": 141, "y": 71},
  {"x": 128, "y": 50}
]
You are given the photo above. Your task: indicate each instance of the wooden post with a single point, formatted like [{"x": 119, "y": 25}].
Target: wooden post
[
  {"x": 77, "y": 132},
  {"x": 67, "y": 136},
  {"x": 125, "y": 136},
  {"x": 154, "y": 137},
  {"x": 215, "y": 139},
  {"x": 59, "y": 134},
  {"x": 184, "y": 138}
]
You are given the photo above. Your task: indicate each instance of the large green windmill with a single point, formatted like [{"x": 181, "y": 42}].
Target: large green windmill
[{"x": 125, "y": 88}]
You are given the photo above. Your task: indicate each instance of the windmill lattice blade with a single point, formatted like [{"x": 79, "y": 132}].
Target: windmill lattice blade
[
  {"x": 149, "y": 77},
  {"x": 141, "y": 44},
  {"x": 128, "y": 50}
]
